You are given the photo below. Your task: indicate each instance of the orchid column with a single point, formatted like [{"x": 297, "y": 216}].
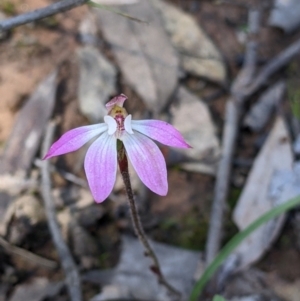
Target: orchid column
[{"x": 121, "y": 137}]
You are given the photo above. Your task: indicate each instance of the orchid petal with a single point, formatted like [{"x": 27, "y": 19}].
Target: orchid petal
[
  {"x": 116, "y": 101},
  {"x": 127, "y": 124},
  {"x": 147, "y": 161},
  {"x": 74, "y": 139},
  {"x": 100, "y": 166},
  {"x": 160, "y": 131},
  {"x": 111, "y": 123}
]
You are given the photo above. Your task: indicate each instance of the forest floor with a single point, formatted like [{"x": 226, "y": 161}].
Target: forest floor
[{"x": 31, "y": 52}]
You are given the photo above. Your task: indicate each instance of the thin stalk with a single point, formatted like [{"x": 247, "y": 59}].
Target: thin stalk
[{"x": 137, "y": 225}]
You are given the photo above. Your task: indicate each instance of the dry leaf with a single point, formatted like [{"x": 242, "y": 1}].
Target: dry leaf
[
  {"x": 199, "y": 56},
  {"x": 37, "y": 290},
  {"x": 261, "y": 112},
  {"x": 14, "y": 184},
  {"x": 25, "y": 138},
  {"x": 248, "y": 285},
  {"x": 97, "y": 81},
  {"x": 129, "y": 278},
  {"x": 290, "y": 291},
  {"x": 285, "y": 15},
  {"x": 256, "y": 199},
  {"x": 144, "y": 53},
  {"x": 192, "y": 118},
  {"x": 25, "y": 212}
]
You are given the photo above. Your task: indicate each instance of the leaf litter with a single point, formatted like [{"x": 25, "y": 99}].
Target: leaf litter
[{"x": 154, "y": 60}]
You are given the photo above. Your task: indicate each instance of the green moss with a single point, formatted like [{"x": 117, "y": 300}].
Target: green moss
[
  {"x": 294, "y": 99},
  {"x": 8, "y": 8},
  {"x": 193, "y": 233},
  {"x": 244, "y": 28},
  {"x": 293, "y": 89},
  {"x": 188, "y": 231},
  {"x": 285, "y": 241},
  {"x": 233, "y": 197},
  {"x": 168, "y": 224},
  {"x": 230, "y": 229},
  {"x": 49, "y": 22},
  {"x": 104, "y": 260}
]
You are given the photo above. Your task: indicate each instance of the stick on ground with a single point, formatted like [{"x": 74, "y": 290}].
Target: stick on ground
[
  {"x": 233, "y": 110},
  {"x": 274, "y": 65},
  {"x": 36, "y": 259},
  {"x": 41, "y": 13},
  {"x": 72, "y": 276}
]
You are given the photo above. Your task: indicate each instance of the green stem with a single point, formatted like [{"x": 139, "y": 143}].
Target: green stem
[{"x": 235, "y": 241}]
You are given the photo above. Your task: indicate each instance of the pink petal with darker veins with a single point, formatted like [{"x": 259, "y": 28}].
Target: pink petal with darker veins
[
  {"x": 101, "y": 166},
  {"x": 160, "y": 131},
  {"x": 74, "y": 139},
  {"x": 147, "y": 161}
]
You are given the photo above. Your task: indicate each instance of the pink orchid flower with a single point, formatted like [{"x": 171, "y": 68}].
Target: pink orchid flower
[{"x": 101, "y": 158}]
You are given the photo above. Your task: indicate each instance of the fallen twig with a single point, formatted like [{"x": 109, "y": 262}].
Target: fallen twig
[
  {"x": 278, "y": 62},
  {"x": 233, "y": 110},
  {"x": 41, "y": 13},
  {"x": 27, "y": 255},
  {"x": 69, "y": 266},
  {"x": 66, "y": 175}
]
